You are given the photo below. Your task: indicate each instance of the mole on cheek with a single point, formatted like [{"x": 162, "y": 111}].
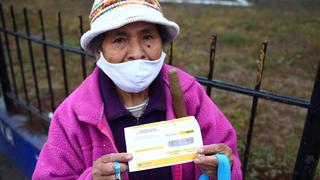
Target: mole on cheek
[{"x": 148, "y": 46}]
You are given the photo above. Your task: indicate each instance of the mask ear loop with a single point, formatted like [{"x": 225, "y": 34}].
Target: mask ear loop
[{"x": 101, "y": 54}]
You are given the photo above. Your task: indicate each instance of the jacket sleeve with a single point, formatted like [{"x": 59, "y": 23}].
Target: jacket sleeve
[
  {"x": 60, "y": 157},
  {"x": 215, "y": 127}
]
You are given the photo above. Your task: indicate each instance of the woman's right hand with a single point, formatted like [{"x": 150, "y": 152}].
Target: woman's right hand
[{"x": 103, "y": 168}]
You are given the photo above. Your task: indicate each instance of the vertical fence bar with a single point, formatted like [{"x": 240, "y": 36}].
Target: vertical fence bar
[
  {"x": 19, "y": 55},
  {"x": 211, "y": 62},
  {"x": 5, "y": 84},
  {"x": 254, "y": 107},
  {"x": 308, "y": 154},
  {"x": 63, "y": 61},
  {"x": 34, "y": 73},
  {"x": 171, "y": 54},
  {"x": 83, "y": 60},
  {"x": 46, "y": 60},
  {"x": 6, "y": 39}
]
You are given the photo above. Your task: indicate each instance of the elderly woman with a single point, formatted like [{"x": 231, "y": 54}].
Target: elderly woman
[{"x": 128, "y": 87}]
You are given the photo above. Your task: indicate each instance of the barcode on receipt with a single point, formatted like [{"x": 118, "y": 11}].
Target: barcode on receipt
[{"x": 181, "y": 142}]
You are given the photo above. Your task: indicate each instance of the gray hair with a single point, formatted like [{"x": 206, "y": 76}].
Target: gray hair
[{"x": 96, "y": 43}]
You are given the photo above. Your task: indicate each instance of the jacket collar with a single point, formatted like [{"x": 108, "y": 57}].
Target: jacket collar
[
  {"x": 115, "y": 109},
  {"x": 88, "y": 104}
]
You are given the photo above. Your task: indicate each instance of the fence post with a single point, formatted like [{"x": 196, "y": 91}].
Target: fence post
[
  {"x": 254, "y": 105},
  {"x": 308, "y": 155},
  {"x": 5, "y": 84}
]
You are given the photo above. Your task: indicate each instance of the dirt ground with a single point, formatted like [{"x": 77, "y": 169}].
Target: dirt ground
[{"x": 8, "y": 171}]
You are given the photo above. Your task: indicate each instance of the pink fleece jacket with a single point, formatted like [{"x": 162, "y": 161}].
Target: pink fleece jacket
[{"x": 79, "y": 132}]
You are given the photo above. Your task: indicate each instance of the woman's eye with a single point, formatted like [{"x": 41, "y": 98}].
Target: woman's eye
[
  {"x": 119, "y": 40},
  {"x": 147, "y": 37}
]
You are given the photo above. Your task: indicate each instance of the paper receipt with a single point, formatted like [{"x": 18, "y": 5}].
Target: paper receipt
[{"x": 163, "y": 143}]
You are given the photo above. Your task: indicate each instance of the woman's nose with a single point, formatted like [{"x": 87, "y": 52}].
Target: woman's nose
[{"x": 136, "y": 51}]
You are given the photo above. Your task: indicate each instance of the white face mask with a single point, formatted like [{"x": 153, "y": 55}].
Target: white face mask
[{"x": 132, "y": 76}]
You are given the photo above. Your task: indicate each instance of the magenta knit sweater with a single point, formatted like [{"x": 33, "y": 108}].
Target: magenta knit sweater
[{"x": 79, "y": 132}]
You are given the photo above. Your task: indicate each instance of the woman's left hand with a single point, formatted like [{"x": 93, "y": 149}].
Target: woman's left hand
[{"x": 208, "y": 163}]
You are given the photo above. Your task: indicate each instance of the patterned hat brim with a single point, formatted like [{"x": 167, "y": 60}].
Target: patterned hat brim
[{"x": 124, "y": 15}]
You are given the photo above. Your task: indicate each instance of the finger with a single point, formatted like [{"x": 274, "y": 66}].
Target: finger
[
  {"x": 103, "y": 177},
  {"x": 110, "y": 177},
  {"x": 209, "y": 169},
  {"x": 107, "y": 169},
  {"x": 120, "y": 157},
  {"x": 210, "y": 161},
  {"x": 214, "y": 148},
  {"x": 112, "y": 170},
  {"x": 209, "y": 172},
  {"x": 230, "y": 157}
]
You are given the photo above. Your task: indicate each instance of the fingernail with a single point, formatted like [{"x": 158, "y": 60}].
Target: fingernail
[
  {"x": 196, "y": 160},
  {"x": 129, "y": 156},
  {"x": 200, "y": 150}
]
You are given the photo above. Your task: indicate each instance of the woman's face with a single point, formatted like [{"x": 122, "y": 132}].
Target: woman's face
[{"x": 139, "y": 40}]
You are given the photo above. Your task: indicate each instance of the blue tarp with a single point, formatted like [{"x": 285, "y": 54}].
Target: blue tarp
[{"x": 17, "y": 144}]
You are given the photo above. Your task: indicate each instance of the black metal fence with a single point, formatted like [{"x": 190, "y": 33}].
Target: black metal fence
[{"x": 36, "y": 104}]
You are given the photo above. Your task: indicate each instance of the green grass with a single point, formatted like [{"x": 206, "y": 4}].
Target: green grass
[{"x": 292, "y": 33}]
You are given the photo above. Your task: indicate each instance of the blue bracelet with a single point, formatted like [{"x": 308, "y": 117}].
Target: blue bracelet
[
  {"x": 117, "y": 170},
  {"x": 224, "y": 169}
]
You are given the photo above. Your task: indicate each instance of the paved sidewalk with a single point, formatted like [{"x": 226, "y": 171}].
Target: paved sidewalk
[{"x": 8, "y": 171}]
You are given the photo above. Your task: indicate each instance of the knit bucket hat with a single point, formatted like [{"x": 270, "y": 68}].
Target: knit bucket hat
[{"x": 107, "y": 15}]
